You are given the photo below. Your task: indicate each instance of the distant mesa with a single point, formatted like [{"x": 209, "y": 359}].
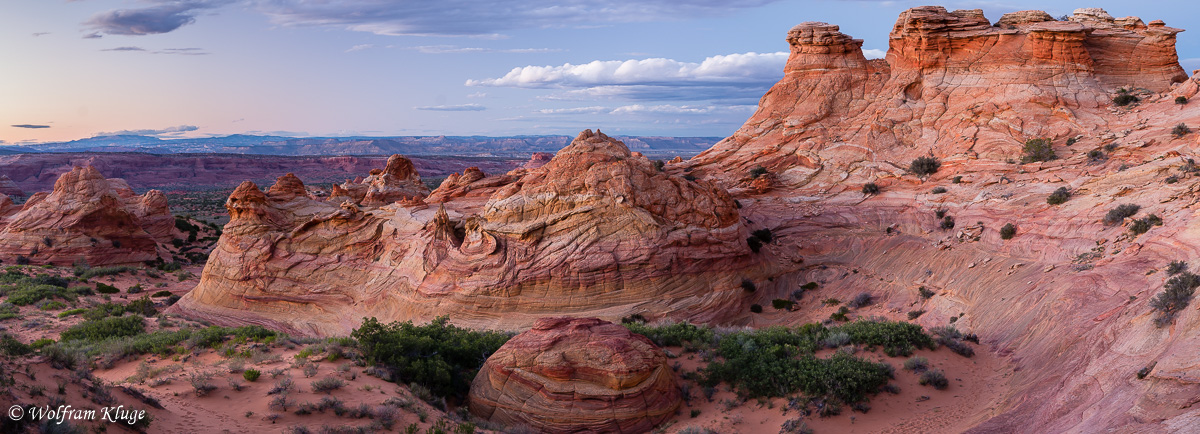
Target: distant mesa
[
  {"x": 568, "y": 375},
  {"x": 10, "y": 188}
]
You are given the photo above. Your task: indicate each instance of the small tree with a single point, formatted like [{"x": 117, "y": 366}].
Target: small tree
[
  {"x": 1059, "y": 196},
  {"x": 1181, "y": 100},
  {"x": 870, "y": 188},
  {"x": 1181, "y": 130},
  {"x": 1038, "y": 150},
  {"x": 1008, "y": 231}
]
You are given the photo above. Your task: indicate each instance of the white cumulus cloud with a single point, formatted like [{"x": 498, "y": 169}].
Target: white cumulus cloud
[{"x": 732, "y": 68}]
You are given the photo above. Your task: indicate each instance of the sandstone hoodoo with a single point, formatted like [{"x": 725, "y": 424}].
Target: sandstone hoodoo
[
  {"x": 570, "y": 375},
  {"x": 597, "y": 230},
  {"x": 952, "y": 84},
  {"x": 87, "y": 218},
  {"x": 396, "y": 181}
]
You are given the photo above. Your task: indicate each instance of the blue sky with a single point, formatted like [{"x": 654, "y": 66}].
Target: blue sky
[{"x": 192, "y": 68}]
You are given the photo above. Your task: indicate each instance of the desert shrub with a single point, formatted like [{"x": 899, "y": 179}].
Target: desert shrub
[
  {"x": 924, "y": 166},
  {"x": 1037, "y": 150},
  {"x": 870, "y": 188},
  {"x": 1095, "y": 155},
  {"x": 201, "y": 383},
  {"x": 26, "y": 293},
  {"x": 1008, "y": 231},
  {"x": 251, "y": 375},
  {"x": 135, "y": 289},
  {"x": 1143, "y": 225},
  {"x": 1176, "y": 267},
  {"x": 947, "y": 223},
  {"x": 782, "y": 304},
  {"x": 106, "y": 328},
  {"x": 916, "y": 364},
  {"x": 1118, "y": 214},
  {"x": 940, "y": 212},
  {"x": 925, "y": 292},
  {"x": 756, "y": 308},
  {"x": 956, "y": 180},
  {"x": 1175, "y": 297},
  {"x": 938, "y": 190},
  {"x": 1111, "y": 147},
  {"x": 1181, "y": 100},
  {"x": 142, "y": 306},
  {"x": 1171, "y": 179},
  {"x": 953, "y": 339},
  {"x": 106, "y": 289},
  {"x": 440, "y": 356},
  {"x": 674, "y": 334},
  {"x": 1180, "y": 130},
  {"x": 934, "y": 378},
  {"x": 1123, "y": 99},
  {"x": 809, "y": 286},
  {"x": 103, "y": 310},
  {"x": 10, "y": 346},
  {"x": 754, "y": 243},
  {"x": 51, "y": 305},
  {"x": 764, "y": 235},
  {"x": 895, "y": 337},
  {"x": 104, "y": 271},
  {"x": 1059, "y": 196},
  {"x": 914, "y": 314},
  {"x": 758, "y": 171},
  {"x": 861, "y": 300},
  {"x": 327, "y": 384},
  {"x": 10, "y": 311},
  {"x": 748, "y": 285},
  {"x": 162, "y": 294}
]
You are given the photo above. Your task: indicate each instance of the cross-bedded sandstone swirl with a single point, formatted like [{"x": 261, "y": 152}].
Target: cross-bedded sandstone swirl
[
  {"x": 87, "y": 218},
  {"x": 568, "y": 375},
  {"x": 596, "y": 231}
]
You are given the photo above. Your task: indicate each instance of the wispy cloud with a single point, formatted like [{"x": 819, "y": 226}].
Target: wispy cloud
[
  {"x": 453, "y": 108},
  {"x": 180, "y": 51},
  {"x": 93, "y": 35},
  {"x": 30, "y": 126},
  {"x": 169, "y": 131},
  {"x": 734, "y": 77},
  {"x": 164, "y": 16},
  {"x": 453, "y": 49},
  {"x": 40, "y": 34},
  {"x": 635, "y": 109},
  {"x": 359, "y": 47},
  {"x": 485, "y": 18}
]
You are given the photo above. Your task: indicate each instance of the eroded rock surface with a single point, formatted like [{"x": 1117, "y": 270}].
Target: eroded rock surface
[{"x": 568, "y": 375}]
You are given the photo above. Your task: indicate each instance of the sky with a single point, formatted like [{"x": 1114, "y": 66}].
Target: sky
[{"x": 72, "y": 69}]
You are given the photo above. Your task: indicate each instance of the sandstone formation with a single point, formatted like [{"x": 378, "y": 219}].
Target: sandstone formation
[
  {"x": 595, "y": 231},
  {"x": 398, "y": 180},
  {"x": 1067, "y": 300},
  {"x": 87, "y": 218},
  {"x": 9, "y": 188},
  {"x": 569, "y": 375}
]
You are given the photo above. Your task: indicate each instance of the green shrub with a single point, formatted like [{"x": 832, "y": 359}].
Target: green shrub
[
  {"x": 925, "y": 292},
  {"x": 99, "y": 330},
  {"x": 53, "y": 305},
  {"x": 934, "y": 378},
  {"x": 104, "y": 271},
  {"x": 748, "y": 285},
  {"x": 947, "y": 223},
  {"x": 899, "y": 337},
  {"x": 870, "y": 188},
  {"x": 1059, "y": 196},
  {"x": 163, "y": 293},
  {"x": 10, "y": 346},
  {"x": 914, "y": 314},
  {"x": 938, "y": 190},
  {"x": 924, "y": 166},
  {"x": 1008, "y": 231},
  {"x": 956, "y": 180},
  {"x": 764, "y": 235},
  {"x": 443, "y": 357},
  {"x": 756, "y": 308},
  {"x": 754, "y": 243},
  {"x": 758, "y": 171},
  {"x": 1120, "y": 213},
  {"x": 142, "y": 306},
  {"x": 1175, "y": 297},
  {"x": 861, "y": 300},
  {"x": 1176, "y": 267},
  {"x": 1095, "y": 155},
  {"x": 327, "y": 384},
  {"x": 1143, "y": 225},
  {"x": 674, "y": 334},
  {"x": 26, "y": 294},
  {"x": 916, "y": 364},
  {"x": 809, "y": 286},
  {"x": 1181, "y": 100},
  {"x": 1124, "y": 99},
  {"x": 1037, "y": 150},
  {"x": 782, "y": 304},
  {"x": 106, "y": 289},
  {"x": 954, "y": 340}
]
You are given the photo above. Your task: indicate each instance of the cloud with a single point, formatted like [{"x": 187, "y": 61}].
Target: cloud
[
  {"x": 93, "y": 35},
  {"x": 477, "y": 95},
  {"x": 575, "y": 110},
  {"x": 40, "y": 34},
  {"x": 732, "y": 78},
  {"x": 453, "y": 108},
  {"x": 635, "y": 109},
  {"x": 875, "y": 53},
  {"x": 169, "y": 131},
  {"x": 452, "y": 49},
  {"x": 181, "y": 51},
  {"x": 485, "y": 18},
  {"x": 30, "y": 126},
  {"x": 165, "y": 16},
  {"x": 360, "y": 47}
]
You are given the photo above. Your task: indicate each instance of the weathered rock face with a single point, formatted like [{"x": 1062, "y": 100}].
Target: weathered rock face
[
  {"x": 951, "y": 84},
  {"x": 9, "y": 188},
  {"x": 1067, "y": 299},
  {"x": 570, "y": 375},
  {"x": 596, "y": 231},
  {"x": 90, "y": 218},
  {"x": 397, "y": 181}
]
